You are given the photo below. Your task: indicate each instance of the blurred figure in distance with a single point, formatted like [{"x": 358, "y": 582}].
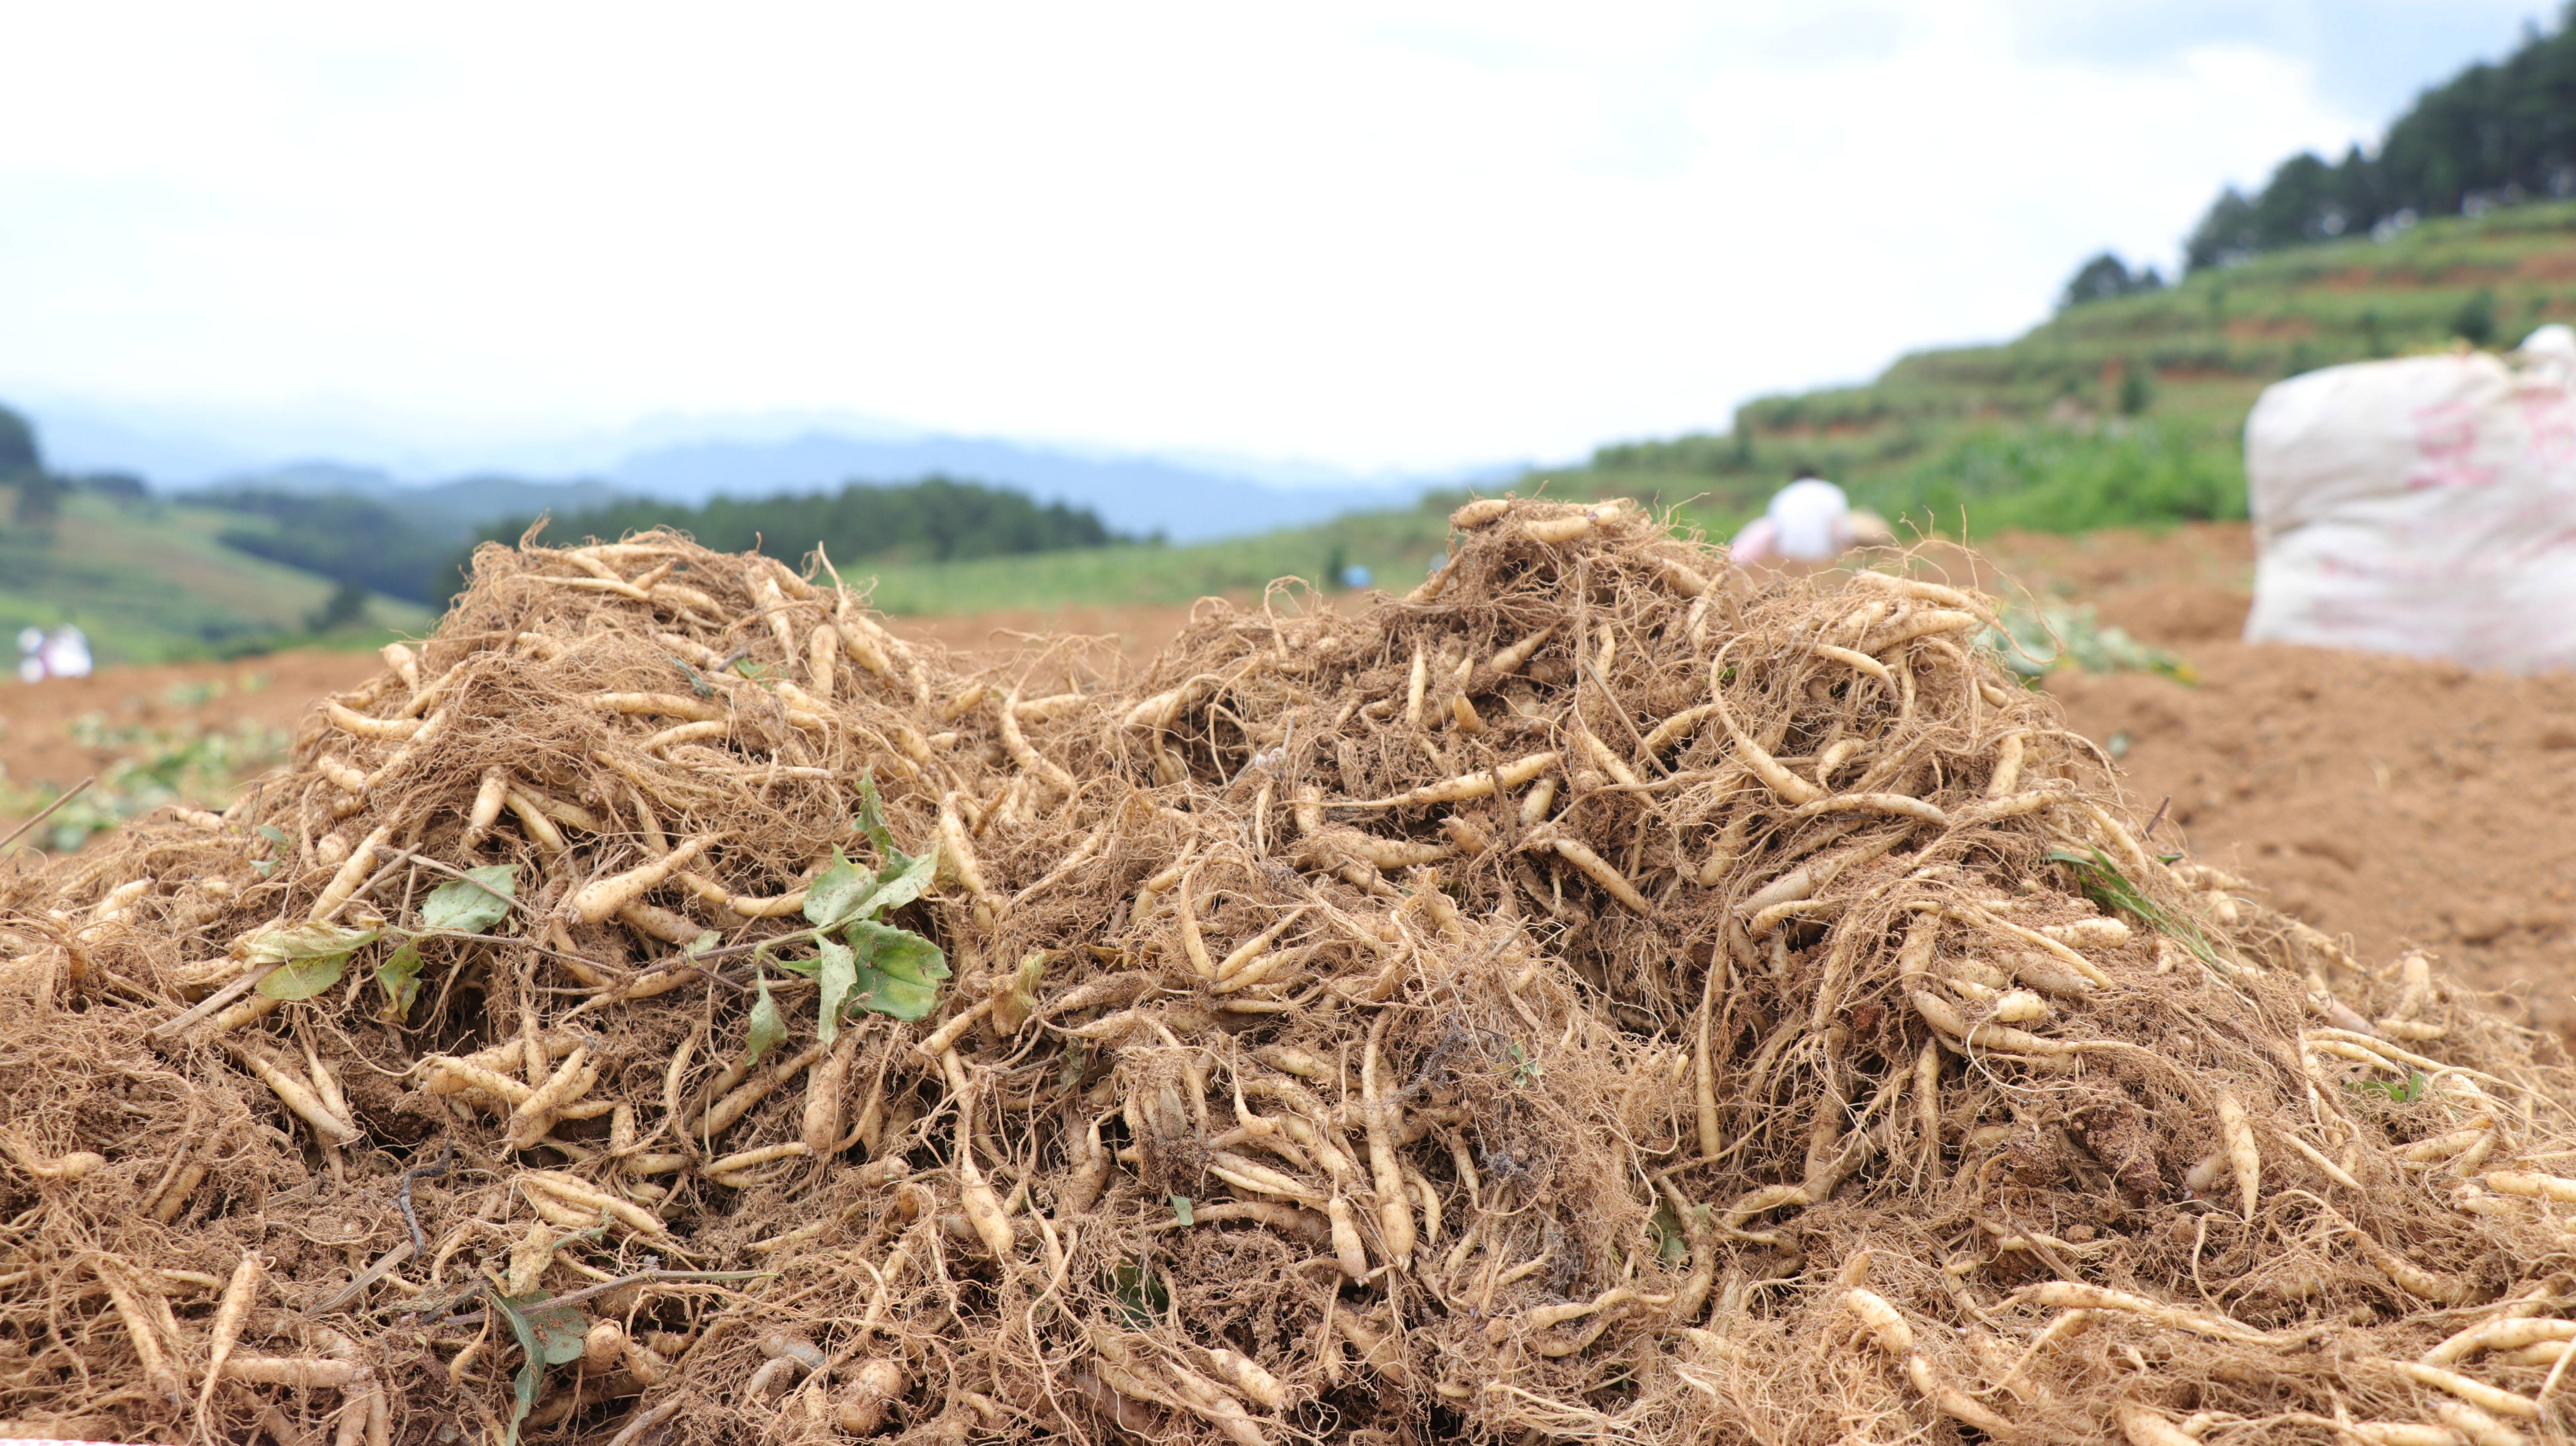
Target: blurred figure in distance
[
  {"x": 62, "y": 653},
  {"x": 1810, "y": 520}
]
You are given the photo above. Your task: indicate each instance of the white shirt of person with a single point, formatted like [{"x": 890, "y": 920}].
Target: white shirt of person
[
  {"x": 1807, "y": 521},
  {"x": 66, "y": 654}
]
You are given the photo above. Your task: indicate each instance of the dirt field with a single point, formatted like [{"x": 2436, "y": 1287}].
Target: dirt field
[
  {"x": 2402, "y": 803},
  {"x": 36, "y": 742}
]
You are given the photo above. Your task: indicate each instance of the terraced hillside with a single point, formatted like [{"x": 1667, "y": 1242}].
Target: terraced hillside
[{"x": 2124, "y": 410}]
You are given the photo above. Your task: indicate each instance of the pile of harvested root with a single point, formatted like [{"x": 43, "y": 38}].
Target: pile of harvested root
[{"x": 1594, "y": 996}]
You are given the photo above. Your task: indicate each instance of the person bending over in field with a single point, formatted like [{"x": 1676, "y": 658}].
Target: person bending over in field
[{"x": 1810, "y": 520}]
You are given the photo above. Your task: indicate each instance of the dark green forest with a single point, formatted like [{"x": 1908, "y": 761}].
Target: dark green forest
[
  {"x": 2493, "y": 135},
  {"x": 17, "y": 445},
  {"x": 937, "y": 519},
  {"x": 362, "y": 543},
  {"x": 350, "y": 540}
]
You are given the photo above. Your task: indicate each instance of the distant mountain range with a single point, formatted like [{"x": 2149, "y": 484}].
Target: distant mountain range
[
  {"x": 449, "y": 511},
  {"x": 1133, "y": 494},
  {"x": 1136, "y": 493}
]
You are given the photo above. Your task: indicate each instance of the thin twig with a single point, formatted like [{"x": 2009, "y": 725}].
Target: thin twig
[
  {"x": 652, "y": 1416},
  {"x": 461, "y": 877},
  {"x": 690, "y": 959},
  {"x": 1616, "y": 709},
  {"x": 385, "y": 1265},
  {"x": 446, "y": 1158},
  {"x": 213, "y": 1003},
  {"x": 47, "y": 812}
]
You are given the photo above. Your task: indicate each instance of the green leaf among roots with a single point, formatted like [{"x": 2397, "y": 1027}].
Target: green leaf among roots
[
  {"x": 838, "y": 973},
  {"x": 548, "y": 1335},
  {"x": 2410, "y": 1091},
  {"x": 898, "y": 971},
  {"x": 1672, "y": 1242},
  {"x": 839, "y": 894},
  {"x": 871, "y": 819},
  {"x": 1141, "y": 1295},
  {"x": 473, "y": 904},
  {"x": 766, "y": 1027},
  {"x": 303, "y": 978},
  {"x": 902, "y": 880},
  {"x": 311, "y": 958},
  {"x": 399, "y": 977},
  {"x": 846, "y": 893},
  {"x": 277, "y": 839}
]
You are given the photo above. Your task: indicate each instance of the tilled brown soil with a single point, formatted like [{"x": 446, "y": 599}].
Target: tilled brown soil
[
  {"x": 36, "y": 744},
  {"x": 2402, "y": 802}
]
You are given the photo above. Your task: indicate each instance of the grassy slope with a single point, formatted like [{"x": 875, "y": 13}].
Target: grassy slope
[
  {"x": 149, "y": 582},
  {"x": 2028, "y": 433},
  {"x": 1397, "y": 547}
]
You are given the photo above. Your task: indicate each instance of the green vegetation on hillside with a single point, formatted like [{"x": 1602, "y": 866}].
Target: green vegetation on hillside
[
  {"x": 1396, "y": 546},
  {"x": 2126, "y": 408},
  {"x": 2493, "y": 135},
  {"x": 250, "y": 568},
  {"x": 2105, "y": 278},
  {"x": 355, "y": 542},
  {"x": 153, "y": 581}
]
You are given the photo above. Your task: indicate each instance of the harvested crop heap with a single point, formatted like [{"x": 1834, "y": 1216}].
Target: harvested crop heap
[{"x": 1581, "y": 998}]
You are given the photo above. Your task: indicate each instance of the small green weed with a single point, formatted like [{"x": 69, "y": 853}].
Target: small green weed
[
  {"x": 2411, "y": 1091},
  {"x": 2032, "y": 645},
  {"x": 2105, "y": 885},
  {"x": 1141, "y": 1295},
  {"x": 872, "y": 965}
]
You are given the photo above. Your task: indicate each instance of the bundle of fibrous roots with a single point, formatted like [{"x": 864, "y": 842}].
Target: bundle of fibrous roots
[{"x": 1595, "y": 996}]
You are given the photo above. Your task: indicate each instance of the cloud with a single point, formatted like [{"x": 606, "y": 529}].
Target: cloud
[{"x": 1415, "y": 235}]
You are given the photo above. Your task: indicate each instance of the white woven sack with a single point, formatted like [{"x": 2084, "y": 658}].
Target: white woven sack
[{"x": 2424, "y": 506}]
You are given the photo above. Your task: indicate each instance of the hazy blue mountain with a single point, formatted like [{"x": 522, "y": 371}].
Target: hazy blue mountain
[
  {"x": 99, "y": 439},
  {"x": 450, "y": 510},
  {"x": 316, "y": 449},
  {"x": 1134, "y": 494}
]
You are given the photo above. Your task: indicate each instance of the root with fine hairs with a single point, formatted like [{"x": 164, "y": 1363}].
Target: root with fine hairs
[{"x": 1573, "y": 999}]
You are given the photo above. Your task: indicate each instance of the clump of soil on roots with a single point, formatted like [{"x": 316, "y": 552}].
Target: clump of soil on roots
[{"x": 1595, "y": 995}]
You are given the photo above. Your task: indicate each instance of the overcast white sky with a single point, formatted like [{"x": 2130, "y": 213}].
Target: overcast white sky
[{"x": 1376, "y": 235}]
